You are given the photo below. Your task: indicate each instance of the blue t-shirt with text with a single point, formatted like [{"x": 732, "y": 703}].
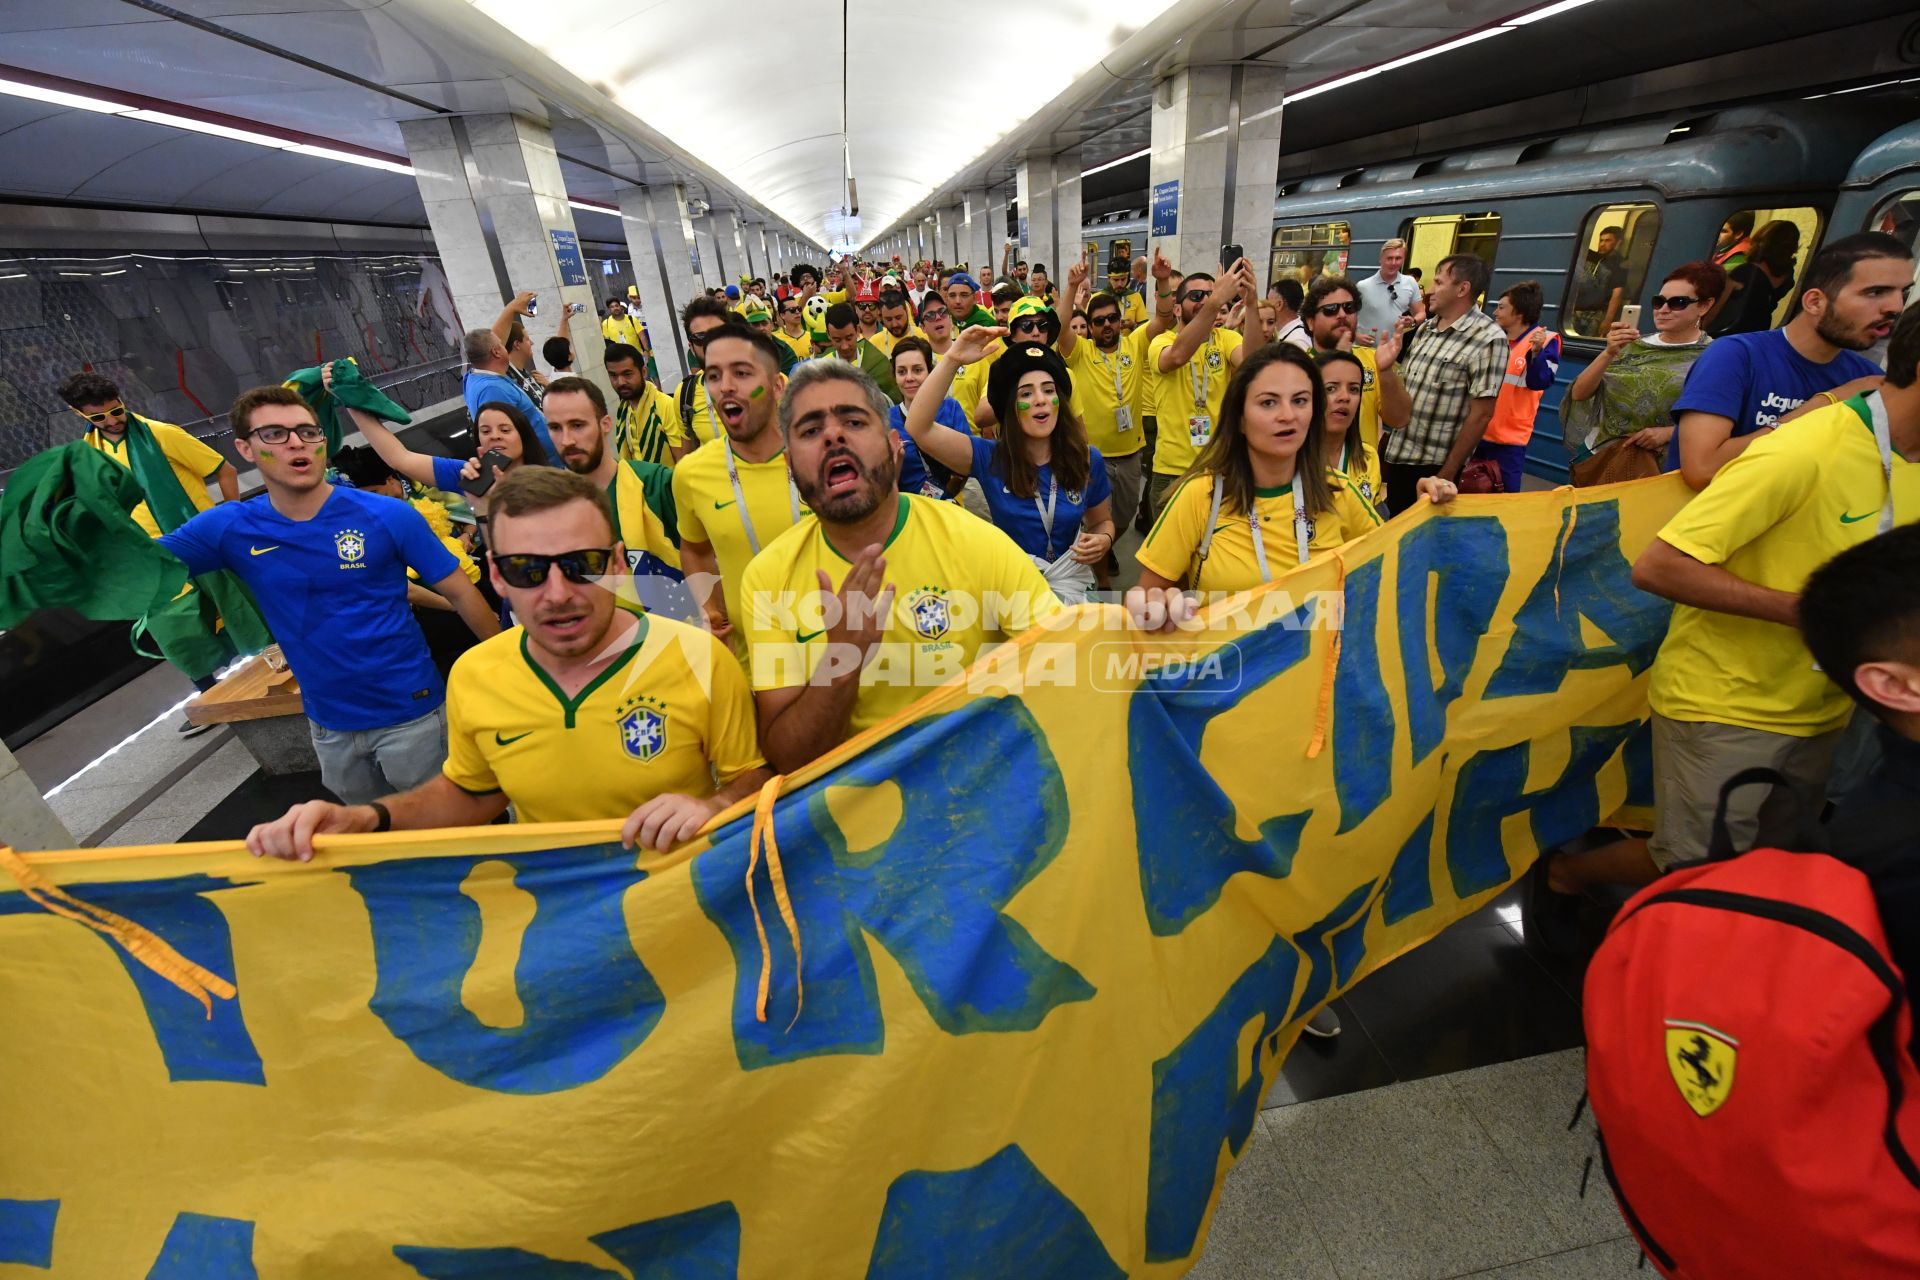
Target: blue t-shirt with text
[
  {"x": 918, "y": 473},
  {"x": 1019, "y": 518},
  {"x": 1753, "y": 378},
  {"x": 334, "y": 591}
]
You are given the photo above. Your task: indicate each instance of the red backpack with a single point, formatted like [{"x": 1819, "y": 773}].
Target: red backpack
[{"x": 1748, "y": 1065}]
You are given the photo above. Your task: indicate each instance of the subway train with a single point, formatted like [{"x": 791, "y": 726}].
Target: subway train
[
  {"x": 200, "y": 308},
  {"x": 1532, "y": 207}
]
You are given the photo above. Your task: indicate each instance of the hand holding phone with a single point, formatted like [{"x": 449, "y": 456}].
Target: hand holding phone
[
  {"x": 1630, "y": 314},
  {"x": 533, "y": 304},
  {"x": 492, "y": 462},
  {"x": 1230, "y": 254}
]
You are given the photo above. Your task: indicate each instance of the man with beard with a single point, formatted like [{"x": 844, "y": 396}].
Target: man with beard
[
  {"x": 1193, "y": 367},
  {"x": 582, "y": 712},
  {"x": 877, "y": 596},
  {"x": 641, "y": 493},
  {"x": 734, "y": 495},
  {"x": 646, "y": 422},
  {"x": 1744, "y": 384},
  {"x": 1330, "y": 310},
  {"x": 896, "y": 322},
  {"x": 847, "y": 343}
]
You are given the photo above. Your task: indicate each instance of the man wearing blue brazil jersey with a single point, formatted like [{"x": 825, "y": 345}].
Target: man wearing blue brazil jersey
[{"x": 328, "y": 567}]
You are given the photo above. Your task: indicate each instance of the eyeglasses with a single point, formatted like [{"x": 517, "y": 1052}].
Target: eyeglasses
[
  {"x": 700, "y": 339},
  {"x": 1335, "y": 308},
  {"x": 118, "y": 411},
  {"x": 1196, "y": 295},
  {"x": 789, "y": 311},
  {"x": 1678, "y": 301},
  {"x": 1026, "y": 324},
  {"x": 575, "y": 566},
  {"x": 312, "y": 433},
  {"x": 931, "y": 313}
]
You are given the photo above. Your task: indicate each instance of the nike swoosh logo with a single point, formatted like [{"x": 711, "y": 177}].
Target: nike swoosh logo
[
  {"x": 1847, "y": 519},
  {"x": 803, "y": 636},
  {"x": 507, "y": 742},
  {"x": 722, "y": 506},
  {"x": 260, "y": 551}
]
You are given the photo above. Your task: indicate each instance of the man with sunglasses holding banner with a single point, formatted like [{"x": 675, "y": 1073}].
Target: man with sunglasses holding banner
[
  {"x": 328, "y": 566},
  {"x": 583, "y": 711}
]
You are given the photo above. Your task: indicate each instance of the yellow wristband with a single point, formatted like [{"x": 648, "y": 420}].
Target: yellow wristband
[{"x": 1831, "y": 398}]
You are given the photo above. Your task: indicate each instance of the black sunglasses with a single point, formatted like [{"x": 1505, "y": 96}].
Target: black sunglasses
[
  {"x": 700, "y": 339},
  {"x": 1105, "y": 317},
  {"x": 1678, "y": 301},
  {"x": 1196, "y": 295},
  {"x": 576, "y": 566},
  {"x": 1335, "y": 308},
  {"x": 1026, "y": 324},
  {"x": 789, "y": 311},
  {"x": 311, "y": 434}
]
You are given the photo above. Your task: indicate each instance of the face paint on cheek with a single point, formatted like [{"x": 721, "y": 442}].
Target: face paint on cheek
[
  {"x": 1053, "y": 401},
  {"x": 266, "y": 454},
  {"x": 1023, "y": 405},
  {"x": 756, "y": 393}
]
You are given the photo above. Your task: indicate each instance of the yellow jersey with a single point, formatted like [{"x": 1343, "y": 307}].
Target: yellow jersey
[
  {"x": 648, "y": 430},
  {"x": 627, "y": 330},
  {"x": 960, "y": 586},
  {"x": 1788, "y": 504},
  {"x": 670, "y": 715},
  {"x": 1173, "y": 544},
  {"x": 1102, "y": 383},
  {"x": 1362, "y": 469},
  {"x": 193, "y": 461},
  {"x": 801, "y": 344},
  {"x": 884, "y": 342},
  {"x": 709, "y": 512},
  {"x": 697, "y": 423},
  {"x": 1367, "y": 421},
  {"x": 1134, "y": 307},
  {"x": 1187, "y": 401}
]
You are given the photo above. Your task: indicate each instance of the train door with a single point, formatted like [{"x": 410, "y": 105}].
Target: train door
[
  {"x": 1609, "y": 268},
  {"x": 1430, "y": 239},
  {"x": 1765, "y": 252},
  {"x": 1899, "y": 216}
]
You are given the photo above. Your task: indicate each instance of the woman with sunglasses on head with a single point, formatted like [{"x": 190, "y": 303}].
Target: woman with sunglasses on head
[
  {"x": 1046, "y": 488},
  {"x": 1618, "y": 415}
]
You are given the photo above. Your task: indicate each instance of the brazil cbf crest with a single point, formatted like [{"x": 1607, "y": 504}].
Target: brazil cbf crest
[
  {"x": 928, "y": 609},
  {"x": 351, "y": 545},
  {"x": 643, "y": 727}
]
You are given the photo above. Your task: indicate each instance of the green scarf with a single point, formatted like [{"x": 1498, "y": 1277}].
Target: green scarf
[
  {"x": 350, "y": 389},
  {"x": 246, "y": 630},
  {"x": 979, "y": 315}
]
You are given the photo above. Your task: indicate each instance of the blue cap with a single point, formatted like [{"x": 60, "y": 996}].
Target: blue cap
[
  {"x": 961, "y": 277},
  {"x": 733, "y": 291}
]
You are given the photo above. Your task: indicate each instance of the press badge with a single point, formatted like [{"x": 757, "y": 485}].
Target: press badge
[
  {"x": 1123, "y": 419},
  {"x": 1199, "y": 429}
]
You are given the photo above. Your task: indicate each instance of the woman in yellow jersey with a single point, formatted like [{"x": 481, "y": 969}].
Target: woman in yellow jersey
[
  {"x": 1347, "y": 452},
  {"x": 1259, "y": 499}
]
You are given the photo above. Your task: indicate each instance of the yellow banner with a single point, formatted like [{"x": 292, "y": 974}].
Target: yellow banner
[{"x": 997, "y": 994}]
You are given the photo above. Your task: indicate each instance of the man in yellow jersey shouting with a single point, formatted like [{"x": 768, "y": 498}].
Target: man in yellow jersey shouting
[
  {"x": 641, "y": 493},
  {"x": 733, "y": 495},
  {"x": 878, "y": 596},
  {"x": 584, "y": 711}
]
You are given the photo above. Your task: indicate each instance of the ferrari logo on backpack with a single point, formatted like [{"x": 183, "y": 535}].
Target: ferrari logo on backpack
[{"x": 1702, "y": 1061}]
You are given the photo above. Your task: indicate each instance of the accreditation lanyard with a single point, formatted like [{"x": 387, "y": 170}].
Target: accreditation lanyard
[
  {"x": 1046, "y": 512},
  {"x": 1883, "y": 437},
  {"x": 1200, "y": 373},
  {"x": 1113, "y": 367},
  {"x": 740, "y": 498},
  {"x": 1301, "y": 524}
]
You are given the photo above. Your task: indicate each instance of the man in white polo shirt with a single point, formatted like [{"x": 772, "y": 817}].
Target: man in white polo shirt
[{"x": 1387, "y": 294}]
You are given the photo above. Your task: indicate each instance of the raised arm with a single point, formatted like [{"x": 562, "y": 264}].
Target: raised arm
[
  {"x": 415, "y": 466},
  {"x": 1253, "y": 325},
  {"x": 1163, "y": 299},
  {"x": 1193, "y": 334},
  {"x": 951, "y": 449},
  {"x": 503, "y": 323},
  {"x": 1396, "y": 402},
  {"x": 1076, "y": 281}
]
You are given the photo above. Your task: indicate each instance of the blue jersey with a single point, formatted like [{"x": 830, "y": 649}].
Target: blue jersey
[
  {"x": 446, "y": 473},
  {"x": 481, "y": 387},
  {"x": 918, "y": 473},
  {"x": 1753, "y": 378},
  {"x": 1020, "y": 518},
  {"x": 334, "y": 590}
]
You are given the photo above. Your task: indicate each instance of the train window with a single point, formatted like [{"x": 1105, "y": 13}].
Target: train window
[
  {"x": 1900, "y": 217},
  {"x": 1431, "y": 239},
  {"x": 1764, "y": 251},
  {"x": 1309, "y": 250},
  {"x": 1610, "y": 268},
  {"x": 1123, "y": 248}
]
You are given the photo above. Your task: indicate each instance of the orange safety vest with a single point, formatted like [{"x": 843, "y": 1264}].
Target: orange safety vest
[{"x": 1514, "y": 411}]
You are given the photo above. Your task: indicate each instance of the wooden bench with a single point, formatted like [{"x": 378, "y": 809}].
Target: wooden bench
[{"x": 266, "y": 712}]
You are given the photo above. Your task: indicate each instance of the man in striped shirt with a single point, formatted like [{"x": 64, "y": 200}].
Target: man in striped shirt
[{"x": 1452, "y": 366}]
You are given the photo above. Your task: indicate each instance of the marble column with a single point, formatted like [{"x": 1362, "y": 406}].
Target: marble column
[
  {"x": 1216, "y": 134},
  {"x": 660, "y": 237}
]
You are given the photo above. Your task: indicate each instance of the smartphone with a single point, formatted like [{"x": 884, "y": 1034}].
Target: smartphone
[
  {"x": 576, "y": 308},
  {"x": 533, "y": 305},
  {"x": 1230, "y": 254},
  {"x": 492, "y": 462},
  {"x": 1630, "y": 314}
]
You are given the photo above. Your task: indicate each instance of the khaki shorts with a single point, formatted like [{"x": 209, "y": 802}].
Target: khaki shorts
[
  {"x": 1125, "y": 476},
  {"x": 1157, "y": 489},
  {"x": 1692, "y": 760}
]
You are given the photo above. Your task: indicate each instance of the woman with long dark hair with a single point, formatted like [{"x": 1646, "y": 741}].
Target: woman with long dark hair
[
  {"x": 496, "y": 426},
  {"x": 1045, "y": 486}
]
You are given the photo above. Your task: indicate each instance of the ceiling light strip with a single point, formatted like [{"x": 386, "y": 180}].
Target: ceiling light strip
[
  {"x": 1513, "y": 23},
  {"x": 1114, "y": 164}
]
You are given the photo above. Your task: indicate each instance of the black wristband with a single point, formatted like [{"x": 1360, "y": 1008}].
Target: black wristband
[{"x": 380, "y": 812}]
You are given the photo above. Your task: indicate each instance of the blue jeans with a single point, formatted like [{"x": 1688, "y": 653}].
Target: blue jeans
[
  {"x": 359, "y": 765},
  {"x": 1510, "y": 458}
]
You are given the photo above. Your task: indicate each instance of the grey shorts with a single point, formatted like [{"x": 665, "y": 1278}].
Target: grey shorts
[
  {"x": 366, "y": 764},
  {"x": 1127, "y": 479},
  {"x": 1692, "y": 760}
]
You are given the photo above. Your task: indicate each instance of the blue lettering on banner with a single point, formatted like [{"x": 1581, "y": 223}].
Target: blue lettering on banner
[
  {"x": 193, "y": 1046},
  {"x": 1184, "y": 823},
  {"x": 1166, "y": 208},
  {"x": 1001, "y": 1217},
  {"x": 1333, "y": 948},
  {"x": 1588, "y": 578},
  {"x": 1365, "y": 728},
  {"x": 701, "y": 1244},
  {"x": 1409, "y": 888},
  {"x": 426, "y": 935},
  {"x": 1205, "y": 1094},
  {"x": 26, "y": 1230},
  {"x": 1458, "y": 565},
  {"x": 1492, "y": 787},
  {"x": 934, "y": 892},
  {"x": 566, "y": 256},
  {"x": 199, "y": 1247}
]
